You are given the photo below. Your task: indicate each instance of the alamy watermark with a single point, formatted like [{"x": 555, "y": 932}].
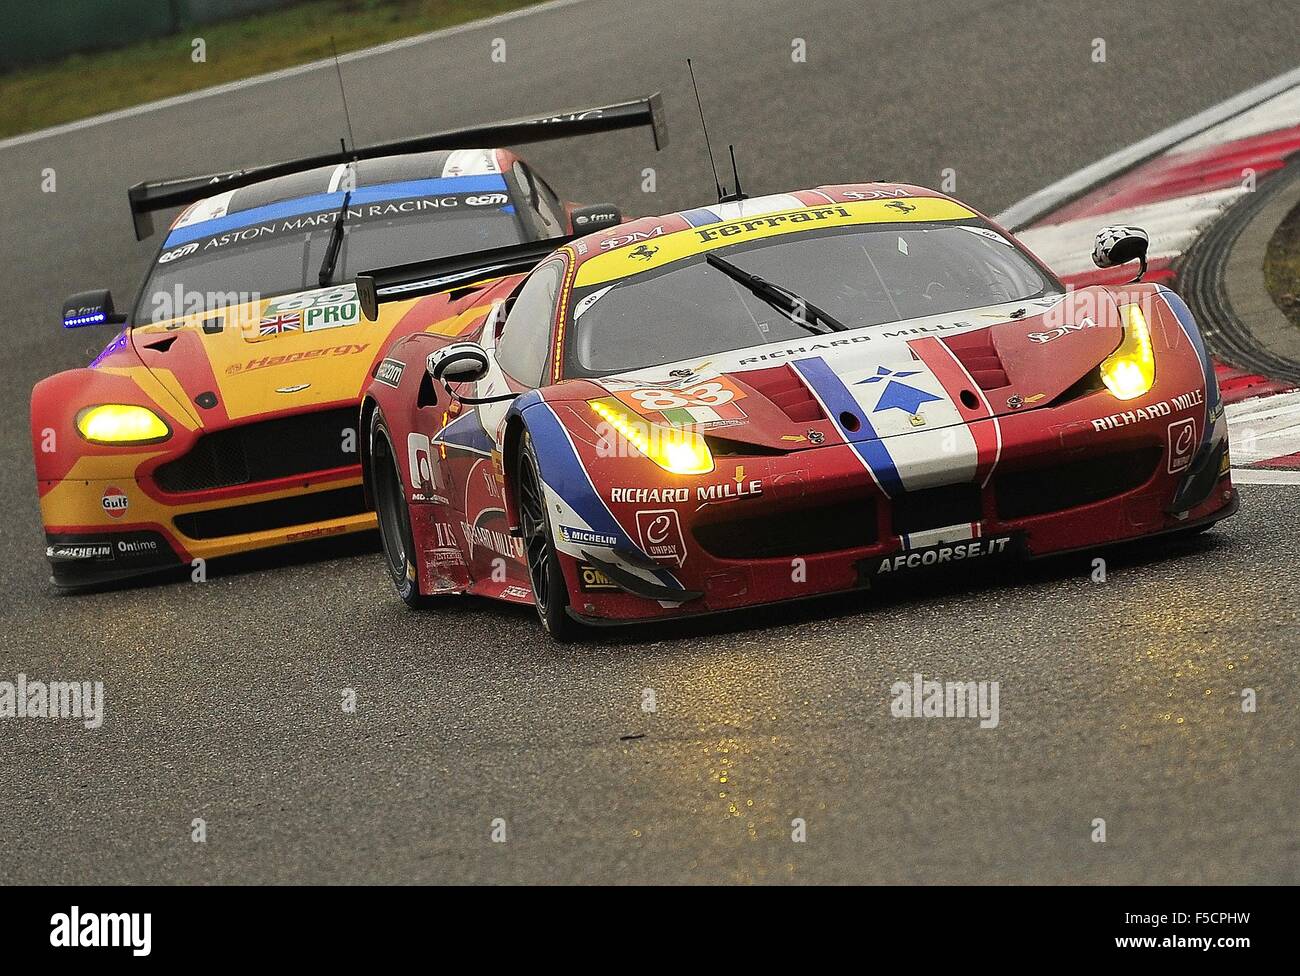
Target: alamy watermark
[
  {"x": 928, "y": 698},
  {"x": 65, "y": 700}
]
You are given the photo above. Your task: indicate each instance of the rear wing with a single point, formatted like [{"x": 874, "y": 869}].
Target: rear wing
[
  {"x": 406, "y": 281},
  {"x": 146, "y": 197}
]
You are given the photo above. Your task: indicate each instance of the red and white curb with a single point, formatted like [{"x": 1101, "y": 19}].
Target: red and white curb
[{"x": 1176, "y": 185}]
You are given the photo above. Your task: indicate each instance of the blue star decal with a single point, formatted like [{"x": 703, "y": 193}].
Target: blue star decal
[{"x": 898, "y": 395}]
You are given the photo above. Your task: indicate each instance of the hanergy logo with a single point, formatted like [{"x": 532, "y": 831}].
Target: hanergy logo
[{"x": 347, "y": 349}]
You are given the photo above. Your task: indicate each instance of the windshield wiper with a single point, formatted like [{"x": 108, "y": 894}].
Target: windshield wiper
[
  {"x": 333, "y": 245},
  {"x": 779, "y": 297}
]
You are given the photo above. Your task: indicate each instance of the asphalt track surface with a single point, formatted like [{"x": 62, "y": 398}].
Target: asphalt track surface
[{"x": 1118, "y": 700}]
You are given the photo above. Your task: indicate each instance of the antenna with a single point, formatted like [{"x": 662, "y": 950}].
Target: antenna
[
  {"x": 738, "y": 193},
  {"x": 347, "y": 116},
  {"x": 707, "y": 145}
]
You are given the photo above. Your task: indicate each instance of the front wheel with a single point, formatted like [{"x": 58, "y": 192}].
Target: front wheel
[
  {"x": 393, "y": 514},
  {"x": 550, "y": 593}
]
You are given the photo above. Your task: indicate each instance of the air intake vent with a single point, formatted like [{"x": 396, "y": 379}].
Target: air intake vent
[
  {"x": 975, "y": 351},
  {"x": 783, "y": 387},
  {"x": 800, "y": 531},
  {"x": 262, "y": 451},
  {"x": 1056, "y": 487},
  {"x": 279, "y": 514},
  {"x": 935, "y": 508}
]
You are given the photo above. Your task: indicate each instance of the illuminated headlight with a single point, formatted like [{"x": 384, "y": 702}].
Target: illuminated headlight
[
  {"x": 1130, "y": 370},
  {"x": 120, "y": 423},
  {"x": 673, "y": 449}
]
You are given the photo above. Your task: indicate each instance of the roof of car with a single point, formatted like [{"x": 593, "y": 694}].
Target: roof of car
[{"x": 386, "y": 177}]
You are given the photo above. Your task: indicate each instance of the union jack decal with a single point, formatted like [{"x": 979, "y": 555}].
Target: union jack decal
[{"x": 283, "y": 322}]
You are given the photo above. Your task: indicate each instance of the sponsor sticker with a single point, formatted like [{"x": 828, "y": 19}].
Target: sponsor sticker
[
  {"x": 136, "y": 546},
  {"x": 593, "y": 580},
  {"x": 739, "y": 487},
  {"x": 946, "y": 553},
  {"x": 330, "y": 308},
  {"x": 709, "y": 404},
  {"x": 390, "y": 372},
  {"x": 1182, "y": 444},
  {"x": 660, "y": 531},
  {"x": 346, "y": 349},
  {"x": 652, "y": 496},
  {"x": 124, "y": 546},
  {"x": 494, "y": 540},
  {"x": 114, "y": 502},
  {"x": 586, "y": 537},
  {"x": 1064, "y": 330},
  {"x": 276, "y": 324},
  {"x": 420, "y": 463},
  {"x": 1163, "y": 408},
  {"x": 318, "y": 533},
  {"x": 70, "y": 551}
]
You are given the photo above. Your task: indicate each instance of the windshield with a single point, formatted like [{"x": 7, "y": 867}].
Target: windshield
[
  {"x": 861, "y": 275},
  {"x": 233, "y": 260}
]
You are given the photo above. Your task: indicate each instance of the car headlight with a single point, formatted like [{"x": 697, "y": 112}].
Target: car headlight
[
  {"x": 1130, "y": 370},
  {"x": 673, "y": 449},
  {"x": 121, "y": 423}
]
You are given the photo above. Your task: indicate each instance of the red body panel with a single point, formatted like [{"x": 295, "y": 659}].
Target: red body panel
[{"x": 803, "y": 502}]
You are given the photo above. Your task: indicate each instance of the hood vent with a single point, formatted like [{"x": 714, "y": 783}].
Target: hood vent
[
  {"x": 975, "y": 351},
  {"x": 786, "y": 390},
  {"x": 162, "y": 345}
]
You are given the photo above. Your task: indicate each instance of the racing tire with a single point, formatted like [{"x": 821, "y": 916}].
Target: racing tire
[
  {"x": 393, "y": 515},
  {"x": 545, "y": 575}
]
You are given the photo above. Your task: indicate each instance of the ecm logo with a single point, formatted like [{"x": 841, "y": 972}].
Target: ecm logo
[{"x": 102, "y": 929}]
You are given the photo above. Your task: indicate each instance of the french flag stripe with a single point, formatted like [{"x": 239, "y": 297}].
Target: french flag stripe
[{"x": 954, "y": 377}]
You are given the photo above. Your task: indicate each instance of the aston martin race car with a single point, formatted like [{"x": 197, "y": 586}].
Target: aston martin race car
[
  {"x": 776, "y": 398},
  {"x": 222, "y": 417}
]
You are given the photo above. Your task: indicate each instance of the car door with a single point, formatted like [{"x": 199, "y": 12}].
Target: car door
[{"x": 516, "y": 337}]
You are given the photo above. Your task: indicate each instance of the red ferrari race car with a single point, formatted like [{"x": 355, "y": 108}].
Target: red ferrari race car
[
  {"x": 222, "y": 418},
  {"x": 775, "y": 398}
]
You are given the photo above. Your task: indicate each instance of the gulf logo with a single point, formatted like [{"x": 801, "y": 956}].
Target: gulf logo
[{"x": 115, "y": 502}]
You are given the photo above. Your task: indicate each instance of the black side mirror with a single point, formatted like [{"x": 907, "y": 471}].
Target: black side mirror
[
  {"x": 1120, "y": 245},
  {"x": 91, "y": 308},
  {"x": 598, "y": 216}
]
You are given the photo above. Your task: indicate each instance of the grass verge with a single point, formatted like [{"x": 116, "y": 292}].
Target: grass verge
[
  {"x": 1282, "y": 266},
  {"x": 89, "y": 84}
]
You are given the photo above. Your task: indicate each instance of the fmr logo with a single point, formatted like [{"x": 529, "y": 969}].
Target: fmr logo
[
  {"x": 390, "y": 372},
  {"x": 114, "y": 502}
]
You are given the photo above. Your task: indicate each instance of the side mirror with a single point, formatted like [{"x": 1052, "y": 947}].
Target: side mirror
[
  {"x": 90, "y": 308},
  {"x": 588, "y": 220},
  {"x": 1120, "y": 245},
  {"x": 458, "y": 362}
]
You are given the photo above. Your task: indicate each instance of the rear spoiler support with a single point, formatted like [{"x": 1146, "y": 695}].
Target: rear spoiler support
[
  {"x": 147, "y": 197},
  {"x": 405, "y": 281}
]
